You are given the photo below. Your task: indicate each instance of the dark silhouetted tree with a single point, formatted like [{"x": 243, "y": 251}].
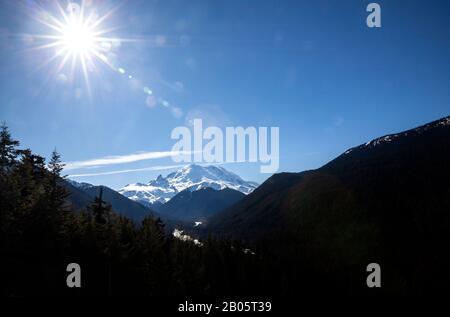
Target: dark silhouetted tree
[{"x": 8, "y": 148}]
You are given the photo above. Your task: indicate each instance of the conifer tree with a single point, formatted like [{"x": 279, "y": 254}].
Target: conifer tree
[
  {"x": 100, "y": 210},
  {"x": 8, "y": 151},
  {"x": 31, "y": 209},
  {"x": 57, "y": 193},
  {"x": 8, "y": 184}
]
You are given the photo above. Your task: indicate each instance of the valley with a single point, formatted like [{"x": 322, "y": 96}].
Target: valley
[{"x": 385, "y": 201}]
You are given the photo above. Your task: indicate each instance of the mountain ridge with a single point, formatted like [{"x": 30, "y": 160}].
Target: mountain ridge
[
  {"x": 387, "y": 203},
  {"x": 408, "y": 149},
  {"x": 83, "y": 194}
]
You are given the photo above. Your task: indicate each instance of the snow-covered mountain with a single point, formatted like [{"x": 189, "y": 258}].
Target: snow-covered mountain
[
  {"x": 192, "y": 177},
  {"x": 82, "y": 186}
]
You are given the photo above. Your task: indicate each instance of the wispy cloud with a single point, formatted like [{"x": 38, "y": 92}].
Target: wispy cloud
[
  {"x": 110, "y": 160},
  {"x": 151, "y": 168}
]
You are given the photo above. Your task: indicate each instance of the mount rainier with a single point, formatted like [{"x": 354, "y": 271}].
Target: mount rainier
[{"x": 192, "y": 177}]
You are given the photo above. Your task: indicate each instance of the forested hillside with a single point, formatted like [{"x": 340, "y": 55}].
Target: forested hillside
[{"x": 40, "y": 235}]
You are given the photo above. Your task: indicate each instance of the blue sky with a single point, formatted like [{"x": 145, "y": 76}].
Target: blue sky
[{"x": 312, "y": 68}]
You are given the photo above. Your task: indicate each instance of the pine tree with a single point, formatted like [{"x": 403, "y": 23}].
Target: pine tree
[
  {"x": 31, "y": 205},
  {"x": 9, "y": 190},
  {"x": 8, "y": 151},
  {"x": 154, "y": 264},
  {"x": 104, "y": 233},
  {"x": 55, "y": 166},
  {"x": 100, "y": 210},
  {"x": 57, "y": 193}
]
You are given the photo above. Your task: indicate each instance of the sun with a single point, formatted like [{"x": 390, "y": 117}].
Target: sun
[{"x": 77, "y": 36}]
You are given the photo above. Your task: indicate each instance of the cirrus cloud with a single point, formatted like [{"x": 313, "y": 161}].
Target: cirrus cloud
[
  {"x": 122, "y": 159},
  {"x": 151, "y": 168}
]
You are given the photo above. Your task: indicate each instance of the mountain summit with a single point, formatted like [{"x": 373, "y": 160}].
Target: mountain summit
[{"x": 192, "y": 177}]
